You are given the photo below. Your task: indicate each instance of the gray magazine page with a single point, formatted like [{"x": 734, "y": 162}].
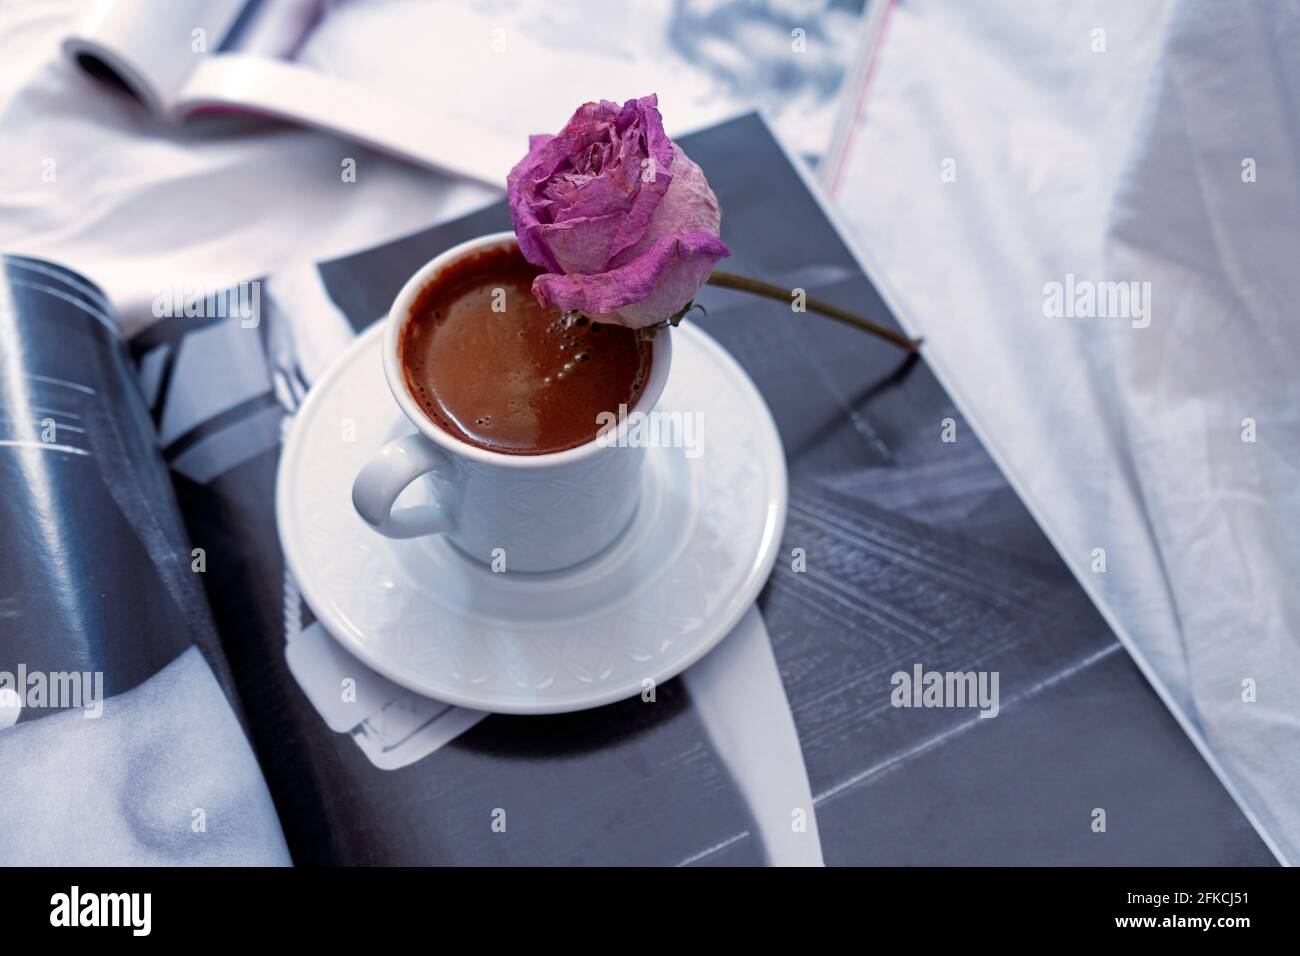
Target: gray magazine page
[{"x": 120, "y": 733}]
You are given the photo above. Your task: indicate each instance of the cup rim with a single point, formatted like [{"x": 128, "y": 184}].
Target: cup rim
[{"x": 399, "y": 312}]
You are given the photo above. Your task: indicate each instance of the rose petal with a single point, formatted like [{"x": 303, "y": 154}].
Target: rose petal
[
  {"x": 644, "y": 291},
  {"x": 655, "y": 172},
  {"x": 592, "y": 196},
  {"x": 687, "y": 206},
  {"x": 579, "y": 245},
  {"x": 523, "y": 212},
  {"x": 546, "y": 157}
]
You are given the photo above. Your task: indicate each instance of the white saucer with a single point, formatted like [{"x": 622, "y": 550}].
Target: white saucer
[{"x": 702, "y": 544}]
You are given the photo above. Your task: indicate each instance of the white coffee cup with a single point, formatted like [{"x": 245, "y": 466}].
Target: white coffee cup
[{"x": 544, "y": 512}]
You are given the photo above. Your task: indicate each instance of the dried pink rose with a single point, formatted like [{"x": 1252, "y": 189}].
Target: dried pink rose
[{"x": 624, "y": 223}]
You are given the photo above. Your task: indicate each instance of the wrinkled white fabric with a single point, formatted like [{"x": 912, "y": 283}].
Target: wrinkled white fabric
[
  {"x": 997, "y": 149},
  {"x": 136, "y": 201}
]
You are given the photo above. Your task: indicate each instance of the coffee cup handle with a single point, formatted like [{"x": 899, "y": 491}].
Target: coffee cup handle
[{"x": 387, "y": 475}]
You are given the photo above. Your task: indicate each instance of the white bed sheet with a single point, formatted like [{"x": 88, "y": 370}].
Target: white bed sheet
[{"x": 999, "y": 148}]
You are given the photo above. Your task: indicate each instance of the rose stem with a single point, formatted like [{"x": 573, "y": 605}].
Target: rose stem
[{"x": 729, "y": 280}]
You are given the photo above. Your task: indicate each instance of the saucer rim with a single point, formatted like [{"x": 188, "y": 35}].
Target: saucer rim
[{"x": 745, "y": 594}]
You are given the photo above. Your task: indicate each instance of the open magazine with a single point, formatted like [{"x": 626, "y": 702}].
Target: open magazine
[
  {"x": 141, "y": 554},
  {"x": 182, "y": 58}
]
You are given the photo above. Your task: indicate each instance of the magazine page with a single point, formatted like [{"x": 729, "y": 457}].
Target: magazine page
[
  {"x": 111, "y": 672},
  {"x": 902, "y": 551},
  {"x": 150, "y": 49},
  {"x": 182, "y": 59}
]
